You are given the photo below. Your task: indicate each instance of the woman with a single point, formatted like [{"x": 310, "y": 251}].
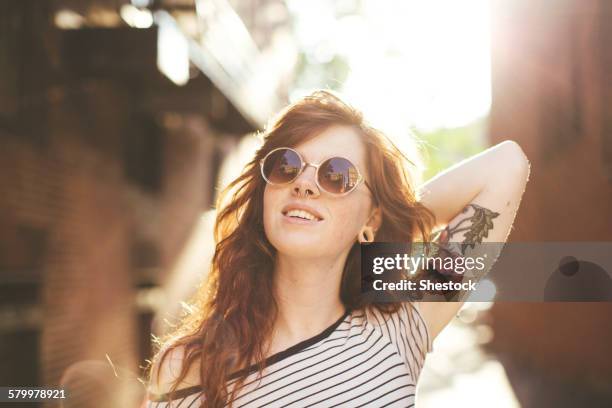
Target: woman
[{"x": 280, "y": 320}]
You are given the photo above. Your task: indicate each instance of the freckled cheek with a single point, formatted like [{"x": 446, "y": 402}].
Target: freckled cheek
[{"x": 346, "y": 222}]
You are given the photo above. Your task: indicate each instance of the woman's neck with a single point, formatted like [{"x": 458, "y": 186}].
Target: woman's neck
[{"x": 308, "y": 296}]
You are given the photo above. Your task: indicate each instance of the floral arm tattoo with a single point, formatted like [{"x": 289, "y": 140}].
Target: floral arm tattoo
[{"x": 477, "y": 227}]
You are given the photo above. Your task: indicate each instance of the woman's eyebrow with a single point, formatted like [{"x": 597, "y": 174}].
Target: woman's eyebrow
[{"x": 325, "y": 156}]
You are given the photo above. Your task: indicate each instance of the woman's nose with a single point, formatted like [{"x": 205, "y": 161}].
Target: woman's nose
[{"x": 305, "y": 185}]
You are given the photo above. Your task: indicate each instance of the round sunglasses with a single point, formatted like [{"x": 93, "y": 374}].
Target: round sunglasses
[{"x": 336, "y": 175}]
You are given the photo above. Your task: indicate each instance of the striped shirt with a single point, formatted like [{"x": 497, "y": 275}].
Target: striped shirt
[{"x": 364, "y": 359}]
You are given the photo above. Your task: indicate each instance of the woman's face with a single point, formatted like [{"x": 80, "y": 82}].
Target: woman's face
[{"x": 341, "y": 217}]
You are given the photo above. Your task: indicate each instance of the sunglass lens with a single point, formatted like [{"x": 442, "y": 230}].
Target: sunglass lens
[
  {"x": 338, "y": 175},
  {"x": 282, "y": 166}
]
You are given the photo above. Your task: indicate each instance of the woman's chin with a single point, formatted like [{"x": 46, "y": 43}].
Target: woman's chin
[{"x": 300, "y": 248}]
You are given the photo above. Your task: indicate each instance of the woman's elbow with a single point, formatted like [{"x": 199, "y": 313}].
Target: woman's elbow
[{"x": 514, "y": 159}]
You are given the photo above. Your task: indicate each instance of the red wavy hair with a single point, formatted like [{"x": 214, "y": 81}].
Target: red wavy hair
[{"x": 225, "y": 331}]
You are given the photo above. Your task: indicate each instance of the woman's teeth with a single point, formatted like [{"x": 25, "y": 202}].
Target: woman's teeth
[{"x": 301, "y": 214}]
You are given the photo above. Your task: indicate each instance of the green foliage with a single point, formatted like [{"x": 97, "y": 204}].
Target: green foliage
[{"x": 444, "y": 147}]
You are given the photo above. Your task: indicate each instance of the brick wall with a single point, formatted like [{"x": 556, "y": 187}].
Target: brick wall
[
  {"x": 75, "y": 189},
  {"x": 551, "y": 74}
]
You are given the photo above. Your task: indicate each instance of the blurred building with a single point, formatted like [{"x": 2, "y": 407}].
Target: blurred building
[
  {"x": 552, "y": 92},
  {"x": 115, "y": 118}
]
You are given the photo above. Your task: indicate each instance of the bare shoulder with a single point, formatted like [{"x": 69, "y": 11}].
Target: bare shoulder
[{"x": 164, "y": 375}]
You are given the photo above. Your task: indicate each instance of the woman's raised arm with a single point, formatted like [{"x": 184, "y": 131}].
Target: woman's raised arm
[{"x": 489, "y": 185}]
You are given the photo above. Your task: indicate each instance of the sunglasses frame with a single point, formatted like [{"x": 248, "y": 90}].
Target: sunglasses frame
[{"x": 305, "y": 164}]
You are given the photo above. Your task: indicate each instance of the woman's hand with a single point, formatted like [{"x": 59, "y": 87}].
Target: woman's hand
[{"x": 475, "y": 201}]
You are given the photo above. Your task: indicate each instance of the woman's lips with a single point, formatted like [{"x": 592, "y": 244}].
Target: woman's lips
[
  {"x": 300, "y": 207},
  {"x": 299, "y": 221}
]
